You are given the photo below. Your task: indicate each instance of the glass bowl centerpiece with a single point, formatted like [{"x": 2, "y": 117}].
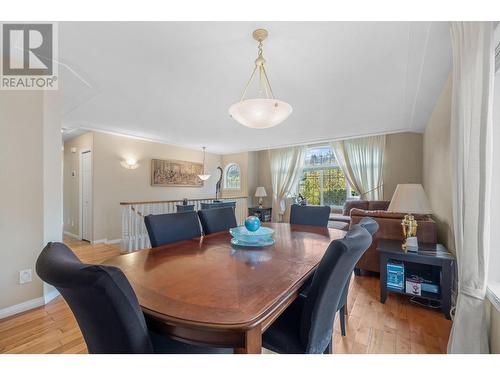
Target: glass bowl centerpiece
[{"x": 252, "y": 234}]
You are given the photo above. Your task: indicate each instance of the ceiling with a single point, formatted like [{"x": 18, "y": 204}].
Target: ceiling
[{"x": 174, "y": 81}]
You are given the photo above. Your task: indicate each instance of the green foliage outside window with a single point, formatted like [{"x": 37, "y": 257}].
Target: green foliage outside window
[
  {"x": 334, "y": 186},
  {"x": 323, "y": 182},
  {"x": 310, "y": 187}
]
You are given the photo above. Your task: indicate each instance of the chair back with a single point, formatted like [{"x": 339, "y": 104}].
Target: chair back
[
  {"x": 372, "y": 227},
  {"x": 100, "y": 297},
  {"x": 310, "y": 215},
  {"x": 327, "y": 287},
  {"x": 167, "y": 228},
  {"x": 217, "y": 219}
]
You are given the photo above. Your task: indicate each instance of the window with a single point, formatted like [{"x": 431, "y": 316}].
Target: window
[
  {"x": 323, "y": 182},
  {"x": 232, "y": 179}
]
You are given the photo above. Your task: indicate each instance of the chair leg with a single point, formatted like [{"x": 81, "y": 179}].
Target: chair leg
[
  {"x": 328, "y": 349},
  {"x": 342, "y": 314}
]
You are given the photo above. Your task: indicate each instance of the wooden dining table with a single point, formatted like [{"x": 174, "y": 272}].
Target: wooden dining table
[{"x": 206, "y": 291}]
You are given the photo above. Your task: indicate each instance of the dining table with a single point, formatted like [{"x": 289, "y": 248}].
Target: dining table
[{"x": 206, "y": 291}]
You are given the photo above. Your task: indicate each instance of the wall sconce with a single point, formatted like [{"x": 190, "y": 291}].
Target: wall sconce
[{"x": 130, "y": 163}]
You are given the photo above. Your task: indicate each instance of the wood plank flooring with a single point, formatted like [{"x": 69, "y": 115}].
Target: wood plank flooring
[{"x": 398, "y": 326}]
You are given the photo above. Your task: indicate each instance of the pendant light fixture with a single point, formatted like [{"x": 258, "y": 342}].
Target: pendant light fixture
[
  {"x": 260, "y": 113},
  {"x": 203, "y": 176}
]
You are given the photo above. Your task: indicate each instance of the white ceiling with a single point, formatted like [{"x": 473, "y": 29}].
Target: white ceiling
[{"x": 174, "y": 81}]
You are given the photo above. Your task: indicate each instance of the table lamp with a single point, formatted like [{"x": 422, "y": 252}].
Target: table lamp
[
  {"x": 410, "y": 199},
  {"x": 260, "y": 192}
]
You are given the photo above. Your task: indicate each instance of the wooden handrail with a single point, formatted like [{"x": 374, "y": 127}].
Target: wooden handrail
[{"x": 178, "y": 200}]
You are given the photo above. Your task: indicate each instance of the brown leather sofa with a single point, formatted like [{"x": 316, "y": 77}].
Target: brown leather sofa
[
  {"x": 365, "y": 205},
  {"x": 390, "y": 228},
  {"x": 341, "y": 220}
]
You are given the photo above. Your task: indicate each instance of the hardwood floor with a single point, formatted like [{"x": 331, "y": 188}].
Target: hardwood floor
[{"x": 398, "y": 326}]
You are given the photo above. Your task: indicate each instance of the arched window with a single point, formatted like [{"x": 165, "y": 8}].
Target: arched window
[{"x": 232, "y": 176}]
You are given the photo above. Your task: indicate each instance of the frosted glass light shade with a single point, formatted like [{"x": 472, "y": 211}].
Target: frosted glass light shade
[
  {"x": 260, "y": 113},
  {"x": 410, "y": 199},
  {"x": 203, "y": 177}
]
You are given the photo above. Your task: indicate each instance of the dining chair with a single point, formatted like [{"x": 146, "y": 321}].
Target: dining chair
[
  {"x": 310, "y": 215},
  {"x": 372, "y": 227},
  {"x": 217, "y": 219},
  {"x": 306, "y": 326},
  {"x": 167, "y": 228},
  {"x": 105, "y": 306}
]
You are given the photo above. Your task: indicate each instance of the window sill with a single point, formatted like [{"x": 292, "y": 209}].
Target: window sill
[{"x": 493, "y": 294}]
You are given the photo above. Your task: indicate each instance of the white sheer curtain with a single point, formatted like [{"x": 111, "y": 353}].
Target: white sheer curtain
[
  {"x": 286, "y": 168},
  {"x": 471, "y": 128},
  {"x": 362, "y": 160}
]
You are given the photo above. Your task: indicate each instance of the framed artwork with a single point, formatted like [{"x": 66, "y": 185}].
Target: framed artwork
[{"x": 175, "y": 173}]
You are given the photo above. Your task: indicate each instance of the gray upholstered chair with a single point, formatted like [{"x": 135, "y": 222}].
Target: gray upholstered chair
[
  {"x": 105, "y": 306},
  {"x": 310, "y": 215},
  {"x": 306, "y": 326},
  {"x": 217, "y": 219},
  {"x": 167, "y": 228}
]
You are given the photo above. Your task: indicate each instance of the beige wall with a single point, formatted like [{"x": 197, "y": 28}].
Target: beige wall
[
  {"x": 113, "y": 184},
  {"x": 252, "y": 175},
  {"x": 402, "y": 161},
  {"x": 437, "y": 167},
  {"x": 71, "y": 183},
  {"x": 21, "y": 193},
  {"x": 264, "y": 176}
]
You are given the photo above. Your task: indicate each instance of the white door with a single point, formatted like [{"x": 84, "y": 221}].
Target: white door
[{"x": 86, "y": 175}]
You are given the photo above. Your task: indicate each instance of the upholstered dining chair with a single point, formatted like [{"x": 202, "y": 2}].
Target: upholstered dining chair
[
  {"x": 167, "y": 228},
  {"x": 217, "y": 219},
  {"x": 105, "y": 306},
  {"x": 372, "y": 227},
  {"x": 310, "y": 215},
  {"x": 306, "y": 326}
]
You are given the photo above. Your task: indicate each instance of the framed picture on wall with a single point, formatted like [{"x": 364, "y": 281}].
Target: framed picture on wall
[{"x": 176, "y": 173}]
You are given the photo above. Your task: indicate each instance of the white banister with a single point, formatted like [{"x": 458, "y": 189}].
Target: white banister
[{"x": 134, "y": 233}]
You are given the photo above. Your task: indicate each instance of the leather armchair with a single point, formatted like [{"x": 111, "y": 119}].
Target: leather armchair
[{"x": 390, "y": 228}]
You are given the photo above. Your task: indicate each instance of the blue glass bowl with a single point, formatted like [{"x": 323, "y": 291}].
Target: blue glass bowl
[{"x": 261, "y": 237}]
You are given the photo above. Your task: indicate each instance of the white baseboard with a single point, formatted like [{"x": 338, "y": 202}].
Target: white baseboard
[
  {"x": 50, "y": 296},
  {"x": 106, "y": 241},
  {"x": 72, "y": 235},
  {"x": 21, "y": 307}
]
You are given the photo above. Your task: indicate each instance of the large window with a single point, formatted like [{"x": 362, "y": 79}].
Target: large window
[
  {"x": 232, "y": 179},
  {"x": 323, "y": 182}
]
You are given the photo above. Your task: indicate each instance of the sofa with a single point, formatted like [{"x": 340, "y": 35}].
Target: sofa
[
  {"x": 341, "y": 220},
  {"x": 389, "y": 228}
]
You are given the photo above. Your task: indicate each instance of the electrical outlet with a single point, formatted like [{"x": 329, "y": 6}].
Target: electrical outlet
[{"x": 25, "y": 276}]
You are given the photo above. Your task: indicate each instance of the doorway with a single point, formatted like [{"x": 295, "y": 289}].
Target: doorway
[{"x": 86, "y": 195}]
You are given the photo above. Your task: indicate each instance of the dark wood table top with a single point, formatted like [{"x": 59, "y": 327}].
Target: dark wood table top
[{"x": 206, "y": 282}]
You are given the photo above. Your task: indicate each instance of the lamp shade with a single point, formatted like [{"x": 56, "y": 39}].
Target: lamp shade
[
  {"x": 260, "y": 192},
  {"x": 410, "y": 199},
  {"x": 260, "y": 113}
]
